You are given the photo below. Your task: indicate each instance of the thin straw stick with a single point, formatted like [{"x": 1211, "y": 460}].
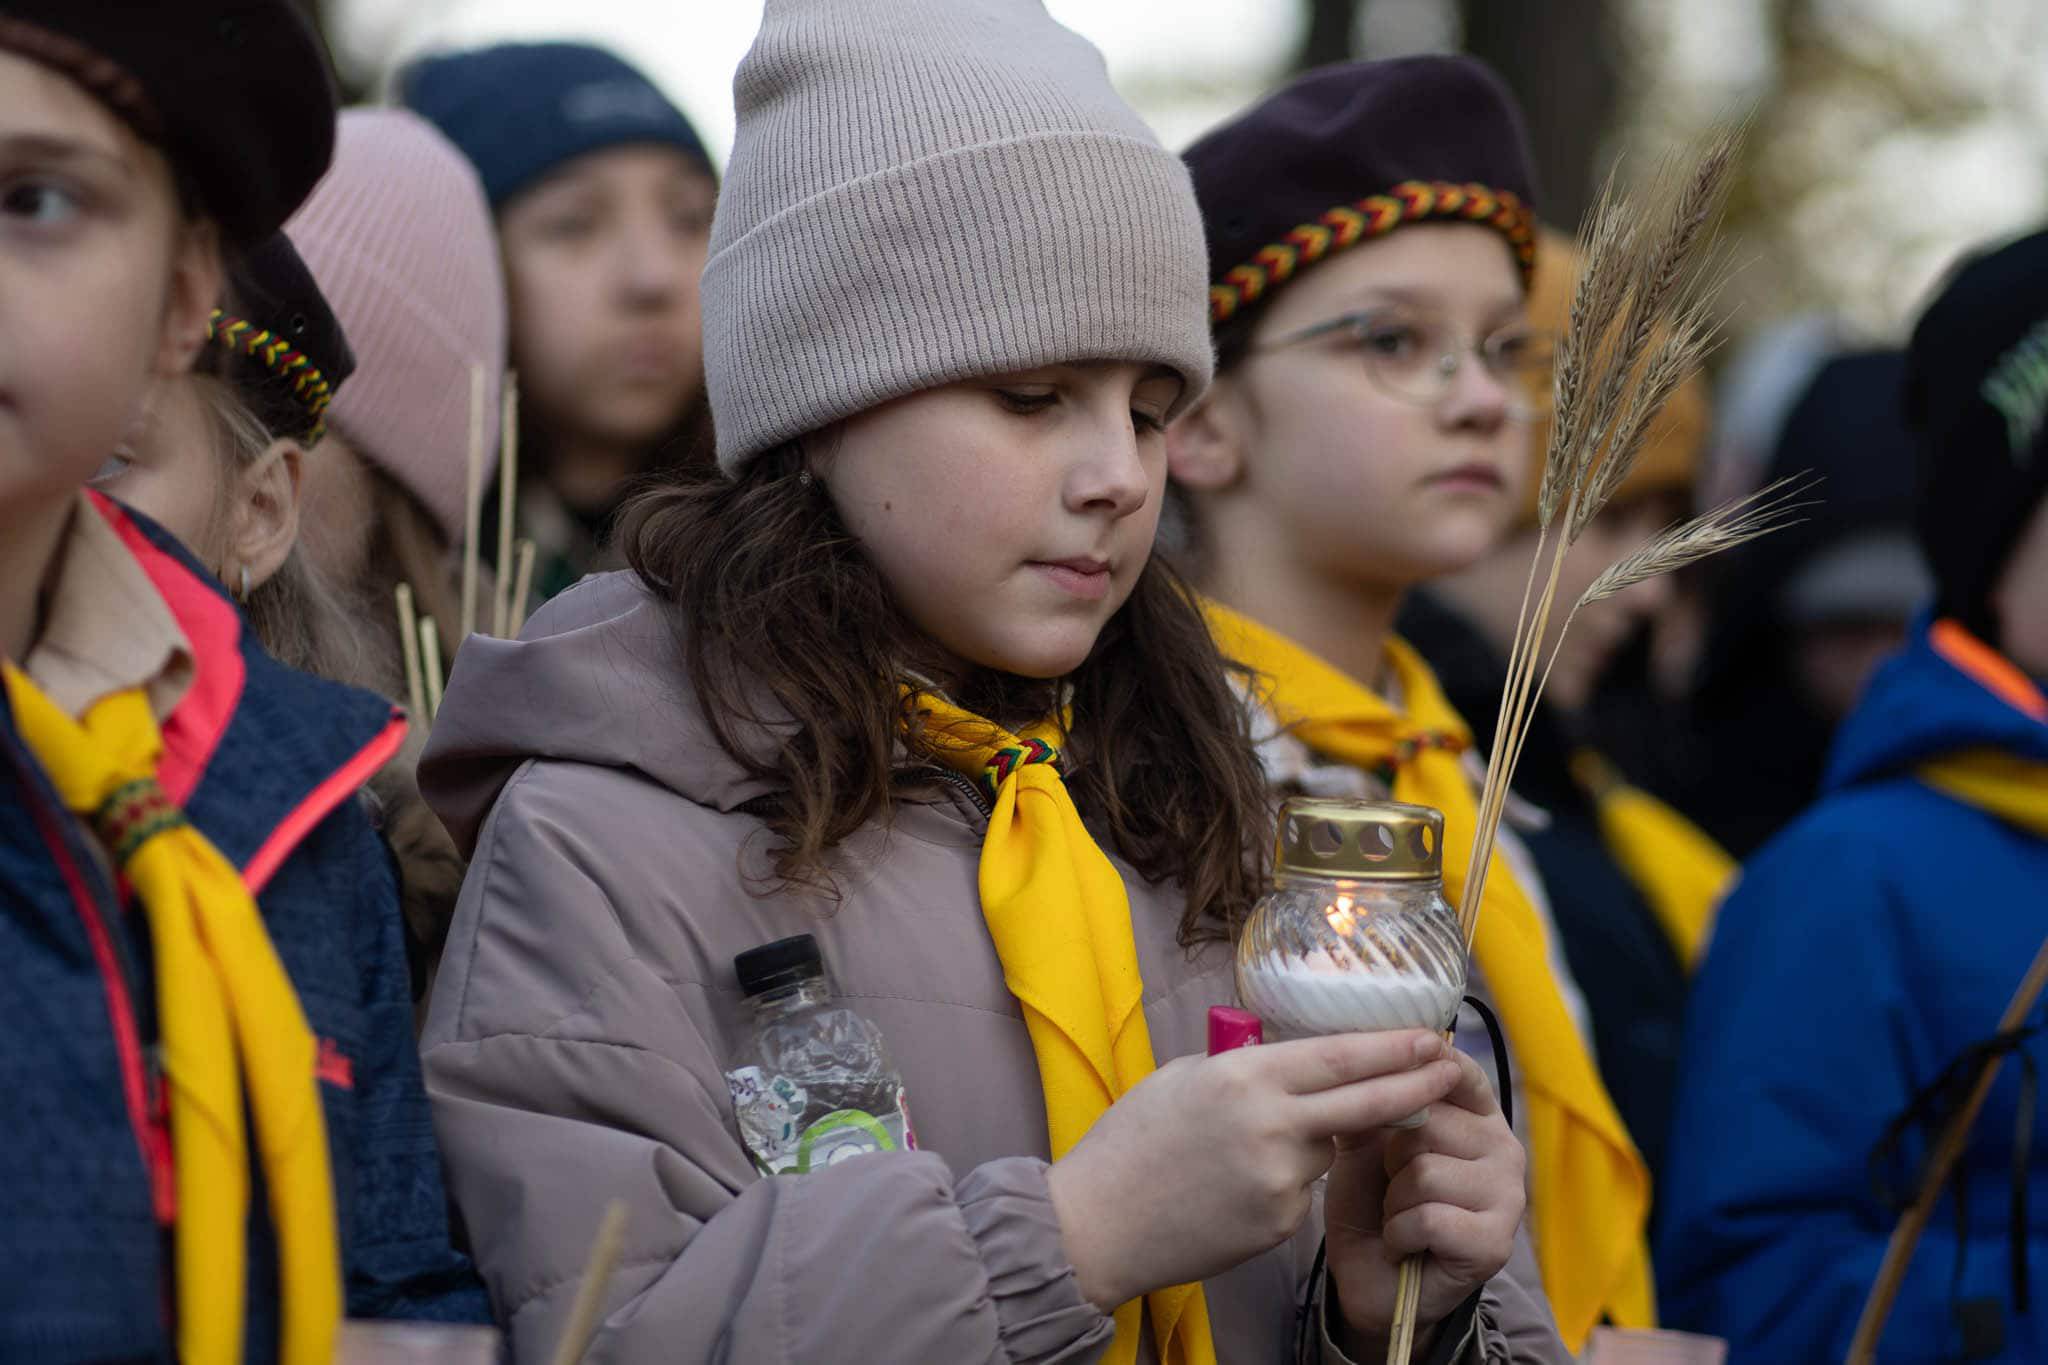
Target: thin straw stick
[
  {"x": 508, "y": 493},
  {"x": 1948, "y": 1149},
  {"x": 473, "y": 502},
  {"x": 522, "y": 587},
  {"x": 430, "y": 663},
  {"x": 409, "y": 646},
  {"x": 1407, "y": 1305},
  {"x": 1638, "y": 323},
  {"x": 597, "y": 1269}
]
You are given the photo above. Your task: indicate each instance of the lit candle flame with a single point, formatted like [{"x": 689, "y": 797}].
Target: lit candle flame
[{"x": 1340, "y": 916}]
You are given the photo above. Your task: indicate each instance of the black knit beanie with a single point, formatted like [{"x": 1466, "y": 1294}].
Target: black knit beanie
[{"x": 1976, "y": 395}]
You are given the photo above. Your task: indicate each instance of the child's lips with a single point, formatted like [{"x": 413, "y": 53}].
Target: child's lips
[
  {"x": 1473, "y": 476},
  {"x": 1087, "y": 579}
]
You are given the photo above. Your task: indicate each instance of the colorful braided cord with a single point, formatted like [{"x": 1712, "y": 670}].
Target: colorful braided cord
[
  {"x": 1347, "y": 225},
  {"x": 1024, "y": 753},
  {"x": 279, "y": 357}
]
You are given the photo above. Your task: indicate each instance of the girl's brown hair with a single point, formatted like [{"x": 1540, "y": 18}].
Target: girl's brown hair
[{"x": 786, "y": 623}]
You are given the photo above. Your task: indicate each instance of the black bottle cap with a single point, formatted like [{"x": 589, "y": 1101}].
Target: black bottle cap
[{"x": 781, "y": 963}]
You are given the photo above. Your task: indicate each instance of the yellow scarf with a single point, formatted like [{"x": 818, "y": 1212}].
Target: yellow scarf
[
  {"x": 1591, "y": 1191},
  {"x": 2012, "y": 788},
  {"x": 1673, "y": 863},
  {"x": 220, "y": 990},
  {"x": 1061, "y": 921}
]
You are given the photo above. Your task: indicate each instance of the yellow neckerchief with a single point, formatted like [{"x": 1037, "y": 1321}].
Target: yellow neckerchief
[
  {"x": 1590, "y": 1190},
  {"x": 1061, "y": 921},
  {"x": 2012, "y": 788},
  {"x": 222, "y": 997},
  {"x": 1673, "y": 864}
]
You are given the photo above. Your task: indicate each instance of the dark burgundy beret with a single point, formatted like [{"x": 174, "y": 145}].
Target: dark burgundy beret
[
  {"x": 1346, "y": 153},
  {"x": 237, "y": 93},
  {"x": 289, "y": 352}
]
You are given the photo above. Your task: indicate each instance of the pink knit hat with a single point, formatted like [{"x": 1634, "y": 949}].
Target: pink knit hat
[{"x": 400, "y": 238}]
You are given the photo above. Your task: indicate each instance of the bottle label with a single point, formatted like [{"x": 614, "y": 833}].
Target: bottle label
[{"x": 771, "y": 1111}]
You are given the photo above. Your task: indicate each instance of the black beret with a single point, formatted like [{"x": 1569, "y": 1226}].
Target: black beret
[
  {"x": 237, "y": 93},
  {"x": 290, "y": 354},
  {"x": 1345, "y": 153},
  {"x": 1977, "y": 397}
]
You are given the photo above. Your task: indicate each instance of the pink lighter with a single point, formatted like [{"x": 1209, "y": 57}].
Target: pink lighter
[{"x": 1233, "y": 1028}]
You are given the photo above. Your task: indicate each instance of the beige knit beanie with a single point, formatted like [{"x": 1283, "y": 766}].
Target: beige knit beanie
[
  {"x": 923, "y": 191},
  {"x": 399, "y": 237}
]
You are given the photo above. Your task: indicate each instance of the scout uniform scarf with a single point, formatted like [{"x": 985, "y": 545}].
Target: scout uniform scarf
[
  {"x": 1061, "y": 921},
  {"x": 230, "y": 1021},
  {"x": 1590, "y": 1190},
  {"x": 1673, "y": 864}
]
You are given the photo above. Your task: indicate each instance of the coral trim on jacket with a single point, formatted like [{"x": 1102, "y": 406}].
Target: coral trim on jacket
[
  {"x": 343, "y": 783},
  {"x": 1988, "y": 668}
]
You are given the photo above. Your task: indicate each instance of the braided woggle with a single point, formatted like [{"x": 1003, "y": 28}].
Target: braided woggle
[{"x": 133, "y": 814}]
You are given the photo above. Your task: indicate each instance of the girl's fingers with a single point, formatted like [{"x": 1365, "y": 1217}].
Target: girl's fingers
[
  {"x": 1476, "y": 1186},
  {"x": 1375, "y": 1103},
  {"x": 1474, "y": 1093},
  {"x": 1451, "y": 1131},
  {"x": 1307, "y": 1066},
  {"x": 1463, "y": 1240}
]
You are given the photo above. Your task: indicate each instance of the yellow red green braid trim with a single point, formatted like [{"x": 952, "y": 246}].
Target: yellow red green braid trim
[
  {"x": 1411, "y": 201},
  {"x": 133, "y": 814},
  {"x": 278, "y": 356},
  {"x": 1006, "y": 761}
]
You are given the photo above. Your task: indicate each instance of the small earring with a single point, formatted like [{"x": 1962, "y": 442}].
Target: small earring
[
  {"x": 243, "y": 595},
  {"x": 804, "y": 479}
]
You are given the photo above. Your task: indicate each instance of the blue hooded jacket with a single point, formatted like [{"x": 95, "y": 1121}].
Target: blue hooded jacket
[
  {"x": 1864, "y": 949},
  {"x": 267, "y": 763}
]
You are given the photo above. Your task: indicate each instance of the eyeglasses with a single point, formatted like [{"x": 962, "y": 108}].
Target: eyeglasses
[{"x": 1415, "y": 356}]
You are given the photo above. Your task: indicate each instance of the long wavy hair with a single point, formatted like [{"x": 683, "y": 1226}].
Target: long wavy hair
[{"x": 785, "y": 622}]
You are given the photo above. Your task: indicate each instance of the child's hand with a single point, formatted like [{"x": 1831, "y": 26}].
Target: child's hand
[
  {"x": 1209, "y": 1160},
  {"x": 1452, "y": 1188}
]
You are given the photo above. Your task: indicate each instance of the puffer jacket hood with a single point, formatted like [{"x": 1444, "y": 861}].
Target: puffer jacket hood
[{"x": 596, "y": 677}]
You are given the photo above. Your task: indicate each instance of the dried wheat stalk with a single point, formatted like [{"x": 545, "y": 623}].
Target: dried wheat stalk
[
  {"x": 1724, "y": 528},
  {"x": 1642, "y": 318}
]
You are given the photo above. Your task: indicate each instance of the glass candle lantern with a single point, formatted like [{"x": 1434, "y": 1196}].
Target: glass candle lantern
[{"x": 1354, "y": 935}]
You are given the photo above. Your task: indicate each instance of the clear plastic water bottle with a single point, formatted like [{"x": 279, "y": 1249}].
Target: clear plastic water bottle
[{"x": 812, "y": 1084}]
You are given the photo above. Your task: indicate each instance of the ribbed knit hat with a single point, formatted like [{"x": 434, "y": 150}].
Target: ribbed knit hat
[
  {"x": 924, "y": 191},
  {"x": 400, "y": 238}
]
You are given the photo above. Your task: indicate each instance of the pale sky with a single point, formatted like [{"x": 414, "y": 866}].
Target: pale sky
[
  {"x": 1874, "y": 205},
  {"x": 1184, "y": 63}
]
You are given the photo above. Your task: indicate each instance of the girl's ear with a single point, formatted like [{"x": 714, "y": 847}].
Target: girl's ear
[
  {"x": 197, "y": 278},
  {"x": 1205, "y": 449},
  {"x": 265, "y": 522}
]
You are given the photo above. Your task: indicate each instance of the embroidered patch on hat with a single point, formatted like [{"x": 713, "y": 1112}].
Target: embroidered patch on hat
[
  {"x": 619, "y": 101},
  {"x": 2017, "y": 388}
]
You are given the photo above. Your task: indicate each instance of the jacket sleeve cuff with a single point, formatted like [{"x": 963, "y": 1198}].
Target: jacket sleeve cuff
[
  {"x": 1040, "y": 1311},
  {"x": 1455, "y": 1337}
]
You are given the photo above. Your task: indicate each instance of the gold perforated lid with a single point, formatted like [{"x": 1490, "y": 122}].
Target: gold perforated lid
[{"x": 1367, "y": 840}]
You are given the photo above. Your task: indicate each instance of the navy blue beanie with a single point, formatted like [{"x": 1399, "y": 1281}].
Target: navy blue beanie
[{"x": 519, "y": 110}]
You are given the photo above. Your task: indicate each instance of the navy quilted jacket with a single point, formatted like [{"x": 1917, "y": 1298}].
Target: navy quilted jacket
[{"x": 268, "y": 763}]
